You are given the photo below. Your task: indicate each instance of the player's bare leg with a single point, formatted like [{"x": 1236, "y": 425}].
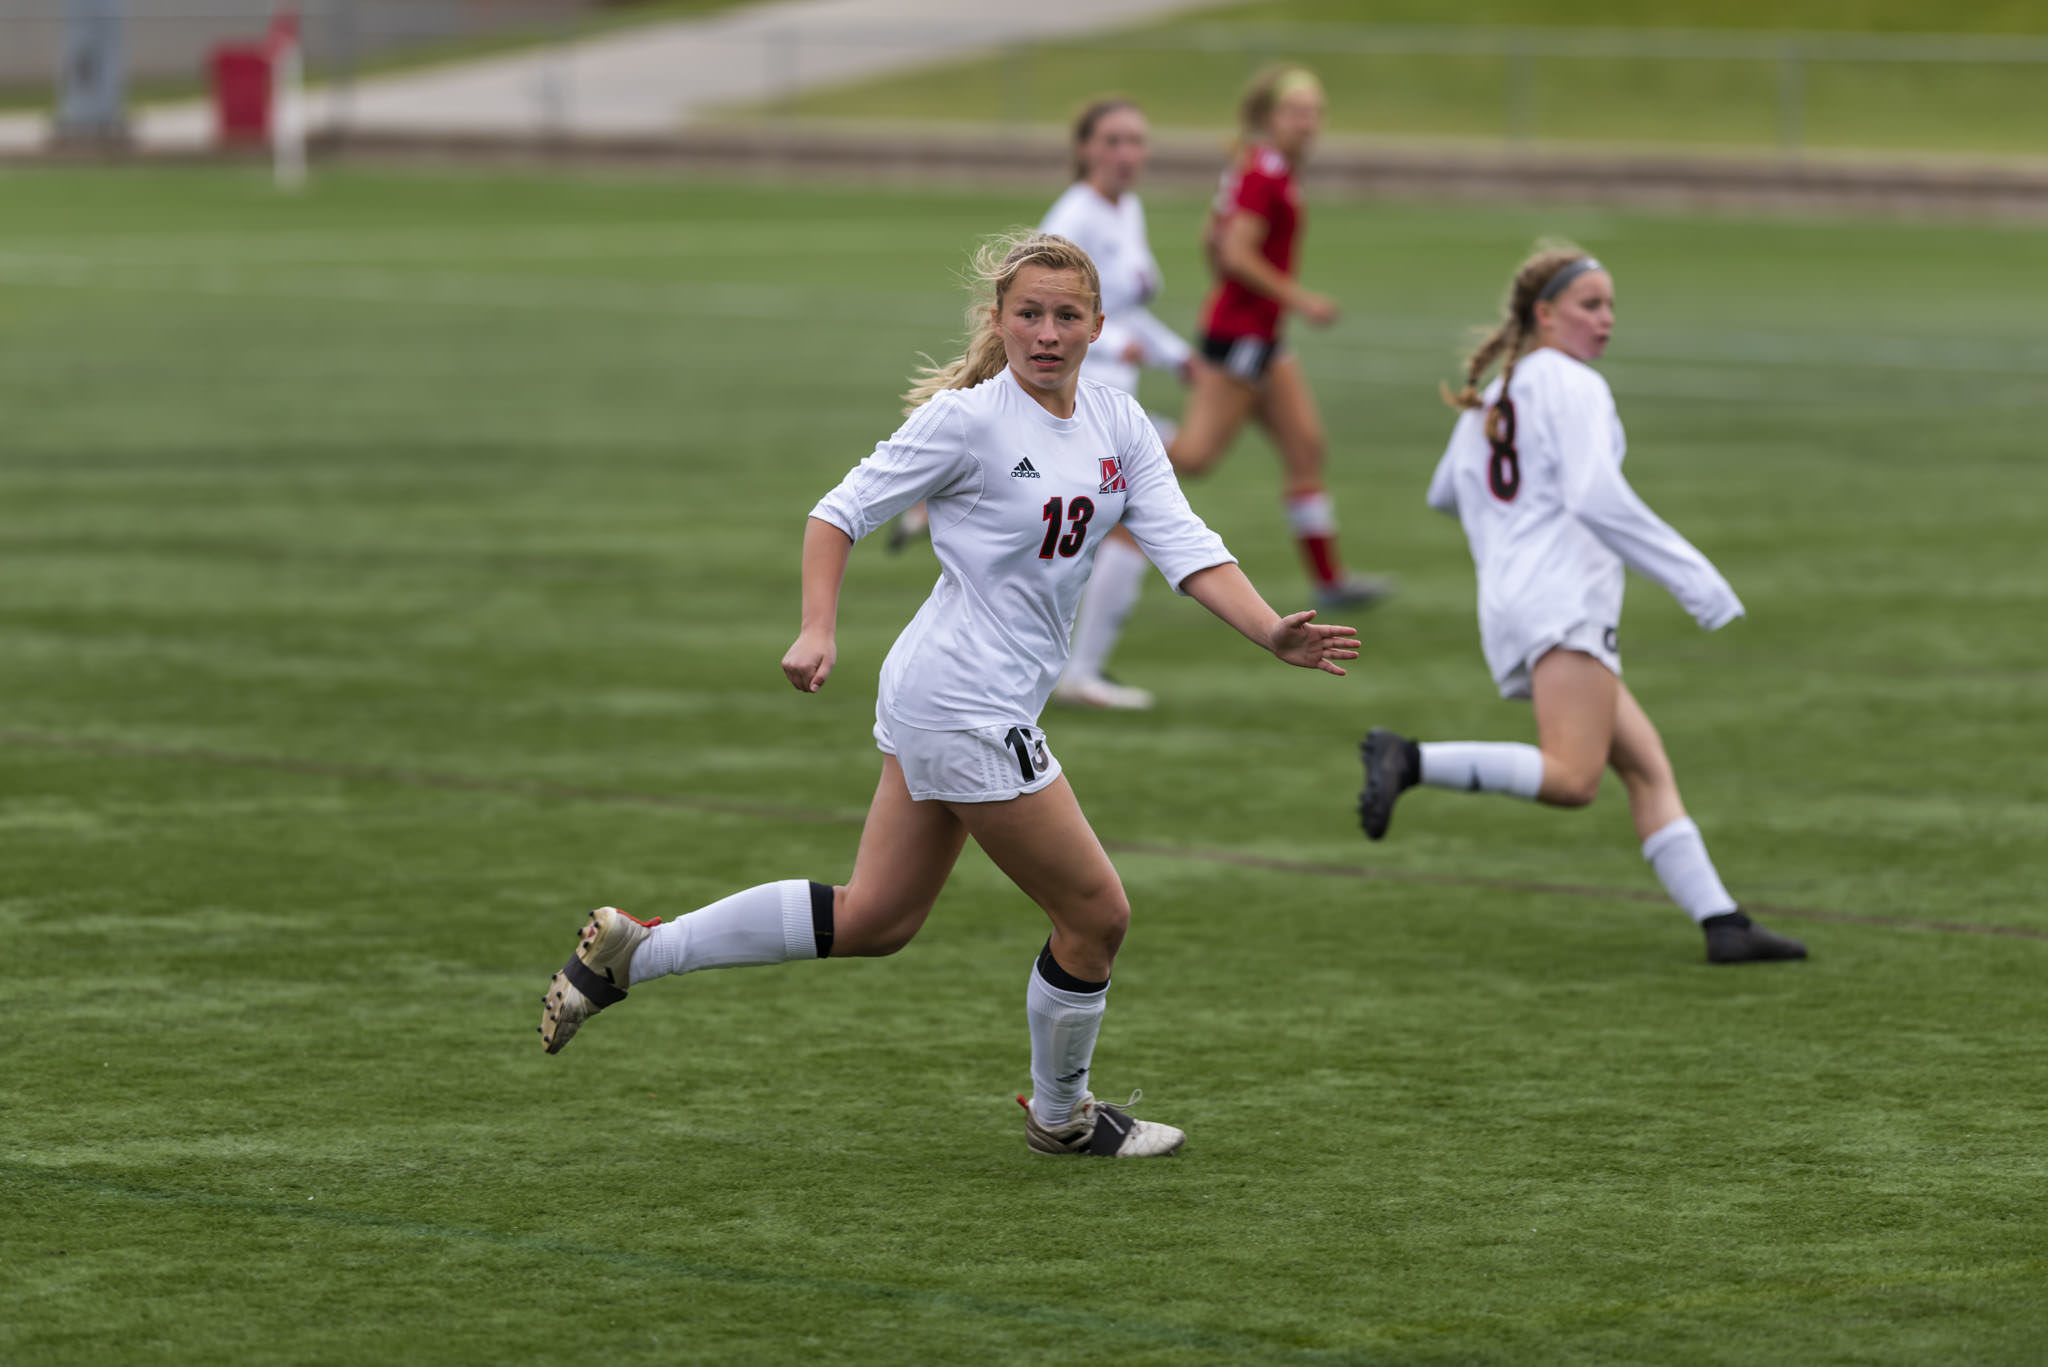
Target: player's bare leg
[
  {"x": 1675, "y": 848},
  {"x": 1217, "y": 409},
  {"x": 1574, "y": 696},
  {"x": 1046, "y": 847},
  {"x": 1638, "y": 758},
  {"x": 1287, "y": 408},
  {"x": 907, "y": 852}
]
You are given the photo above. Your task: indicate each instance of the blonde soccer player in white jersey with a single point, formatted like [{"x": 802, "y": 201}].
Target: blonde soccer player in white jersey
[
  {"x": 1024, "y": 465},
  {"x": 1533, "y": 471},
  {"x": 1101, "y": 213}
]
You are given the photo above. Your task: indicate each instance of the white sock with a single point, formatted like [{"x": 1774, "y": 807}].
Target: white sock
[
  {"x": 1106, "y": 604},
  {"x": 1679, "y": 855},
  {"x": 1064, "y": 1024},
  {"x": 769, "y": 924},
  {"x": 1312, "y": 514},
  {"x": 1483, "y": 766}
]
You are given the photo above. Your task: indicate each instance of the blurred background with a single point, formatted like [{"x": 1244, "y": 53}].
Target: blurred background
[{"x": 1814, "y": 76}]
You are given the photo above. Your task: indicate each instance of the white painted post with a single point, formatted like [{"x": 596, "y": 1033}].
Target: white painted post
[{"x": 287, "y": 101}]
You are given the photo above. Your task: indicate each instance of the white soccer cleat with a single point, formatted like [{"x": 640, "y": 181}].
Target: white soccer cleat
[
  {"x": 595, "y": 977},
  {"x": 1103, "y": 1131},
  {"x": 1072, "y": 691}
]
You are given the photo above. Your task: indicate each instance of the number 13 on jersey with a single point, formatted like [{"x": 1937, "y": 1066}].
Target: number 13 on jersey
[{"x": 1058, "y": 511}]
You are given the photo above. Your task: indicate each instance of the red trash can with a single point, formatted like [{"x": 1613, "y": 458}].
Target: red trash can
[{"x": 241, "y": 94}]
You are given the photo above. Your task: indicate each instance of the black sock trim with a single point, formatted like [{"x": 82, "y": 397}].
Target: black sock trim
[
  {"x": 1411, "y": 764},
  {"x": 1055, "y": 976},
  {"x": 821, "y": 918}
]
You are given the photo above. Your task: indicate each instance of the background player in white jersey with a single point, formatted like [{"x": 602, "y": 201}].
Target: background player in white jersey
[
  {"x": 1100, "y": 213},
  {"x": 1533, "y": 471},
  {"x": 1024, "y": 465}
]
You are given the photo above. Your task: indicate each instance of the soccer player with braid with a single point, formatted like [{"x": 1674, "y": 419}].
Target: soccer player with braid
[
  {"x": 1533, "y": 471},
  {"x": 1023, "y": 465}
]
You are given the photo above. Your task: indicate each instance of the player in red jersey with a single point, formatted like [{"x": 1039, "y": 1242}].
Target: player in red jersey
[{"x": 1251, "y": 239}]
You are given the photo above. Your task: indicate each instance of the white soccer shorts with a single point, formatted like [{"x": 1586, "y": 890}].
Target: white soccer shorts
[
  {"x": 1597, "y": 639},
  {"x": 986, "y": 764}
]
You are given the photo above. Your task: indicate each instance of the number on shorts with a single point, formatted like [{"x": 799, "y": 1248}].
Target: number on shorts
[
  {"x": 1503, "y": 466},
  {"x": 1021, "y": 743},
  {"x": 1058, "y": 511}
]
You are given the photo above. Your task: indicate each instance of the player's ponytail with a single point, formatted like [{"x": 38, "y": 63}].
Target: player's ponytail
[
  {"x": 995, "y": 269},
  {"x": 1510, "y": 338}
]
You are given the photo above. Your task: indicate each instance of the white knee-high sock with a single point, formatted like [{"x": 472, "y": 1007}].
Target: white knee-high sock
[
  {"x": 1679, "y": 855},
  {"x": 769, "y": 924},
  {"x": 1065, "y": 1015},
  {"x": 1106, "y": 604},
  {"x": 1475, "y": 766}
]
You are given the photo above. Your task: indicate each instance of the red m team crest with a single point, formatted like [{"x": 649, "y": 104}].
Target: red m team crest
[{"x": 1112, "y": 475}]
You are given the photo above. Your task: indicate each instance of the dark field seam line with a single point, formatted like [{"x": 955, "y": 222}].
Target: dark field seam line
[
  {"x": 566, "y": 792},
  {"x": 952, "y": 1302}
]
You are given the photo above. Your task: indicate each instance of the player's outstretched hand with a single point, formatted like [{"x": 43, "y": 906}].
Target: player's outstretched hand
[
  {"x": 1300, "y": 640},
  {"x": 809, "y": 662}
]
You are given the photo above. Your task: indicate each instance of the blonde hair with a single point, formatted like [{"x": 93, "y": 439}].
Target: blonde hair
[
  {"x": 995, "y": 268},
  {"x": 1267, "y": 88},
  {"x": 1515, "y": 334}
]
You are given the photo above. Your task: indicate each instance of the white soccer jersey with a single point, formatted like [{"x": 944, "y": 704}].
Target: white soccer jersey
[
  {"x": 1552, "y": 521},
  {"x": 1019, "y": 501},
  {"x": 1114, "y": 235}
]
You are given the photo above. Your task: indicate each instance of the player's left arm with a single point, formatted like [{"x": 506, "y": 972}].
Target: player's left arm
[
  {"x": 1601, "y": 498},
  {"x": 1163, "y": 348},
  {"x": 1296, "y": 639},
  {"x": 1197, "y": 563}
]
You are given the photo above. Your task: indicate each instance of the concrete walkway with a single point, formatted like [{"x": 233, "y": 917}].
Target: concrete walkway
[{"x": 657, "y": 78}]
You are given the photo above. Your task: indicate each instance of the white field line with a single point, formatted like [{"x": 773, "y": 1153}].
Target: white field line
[{"x": 750, "y": 301}]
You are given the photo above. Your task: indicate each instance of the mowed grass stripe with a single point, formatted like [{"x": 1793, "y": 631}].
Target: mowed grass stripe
[
  {"x": 630, "y": 1261},
  {"x": 1804, "y": 1293},
  {"x": 562, "y": 792}
]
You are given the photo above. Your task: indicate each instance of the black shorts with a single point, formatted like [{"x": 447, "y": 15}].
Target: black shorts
[{"x": 1242, "y": 358}]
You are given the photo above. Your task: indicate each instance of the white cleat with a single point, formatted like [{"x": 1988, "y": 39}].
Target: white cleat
[
  {"x": 1073, "y": 691},
  {"x": 1103, "y": 1131},
  {"x": 595, "y": 977}
]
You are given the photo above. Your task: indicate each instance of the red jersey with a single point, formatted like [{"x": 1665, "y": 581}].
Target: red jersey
[{"x": 1260, "y": 183}]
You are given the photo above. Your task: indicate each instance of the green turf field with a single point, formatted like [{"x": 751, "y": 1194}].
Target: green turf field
[
  {"x": 396, "y": 572},
  {"x": 1407, "y": 69}
]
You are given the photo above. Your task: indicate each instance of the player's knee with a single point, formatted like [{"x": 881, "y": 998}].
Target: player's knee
[
  {"x": 1572, "y": 790},
  {"x": 1104, "y": 918},
  {"x": 889, "y": 941},
  {"x": 870, "y": 931}
]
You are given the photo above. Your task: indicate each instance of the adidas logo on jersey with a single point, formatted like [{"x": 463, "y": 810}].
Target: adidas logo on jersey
[{"x": 1025, "y": 470}]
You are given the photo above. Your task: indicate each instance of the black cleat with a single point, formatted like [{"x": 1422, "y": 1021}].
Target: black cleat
[
  {"x": 1732, "y": 938},
  {"x": 1391, "y": 769}
]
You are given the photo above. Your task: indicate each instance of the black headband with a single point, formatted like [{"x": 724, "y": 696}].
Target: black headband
[{"x": 1566, "y": 276}]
